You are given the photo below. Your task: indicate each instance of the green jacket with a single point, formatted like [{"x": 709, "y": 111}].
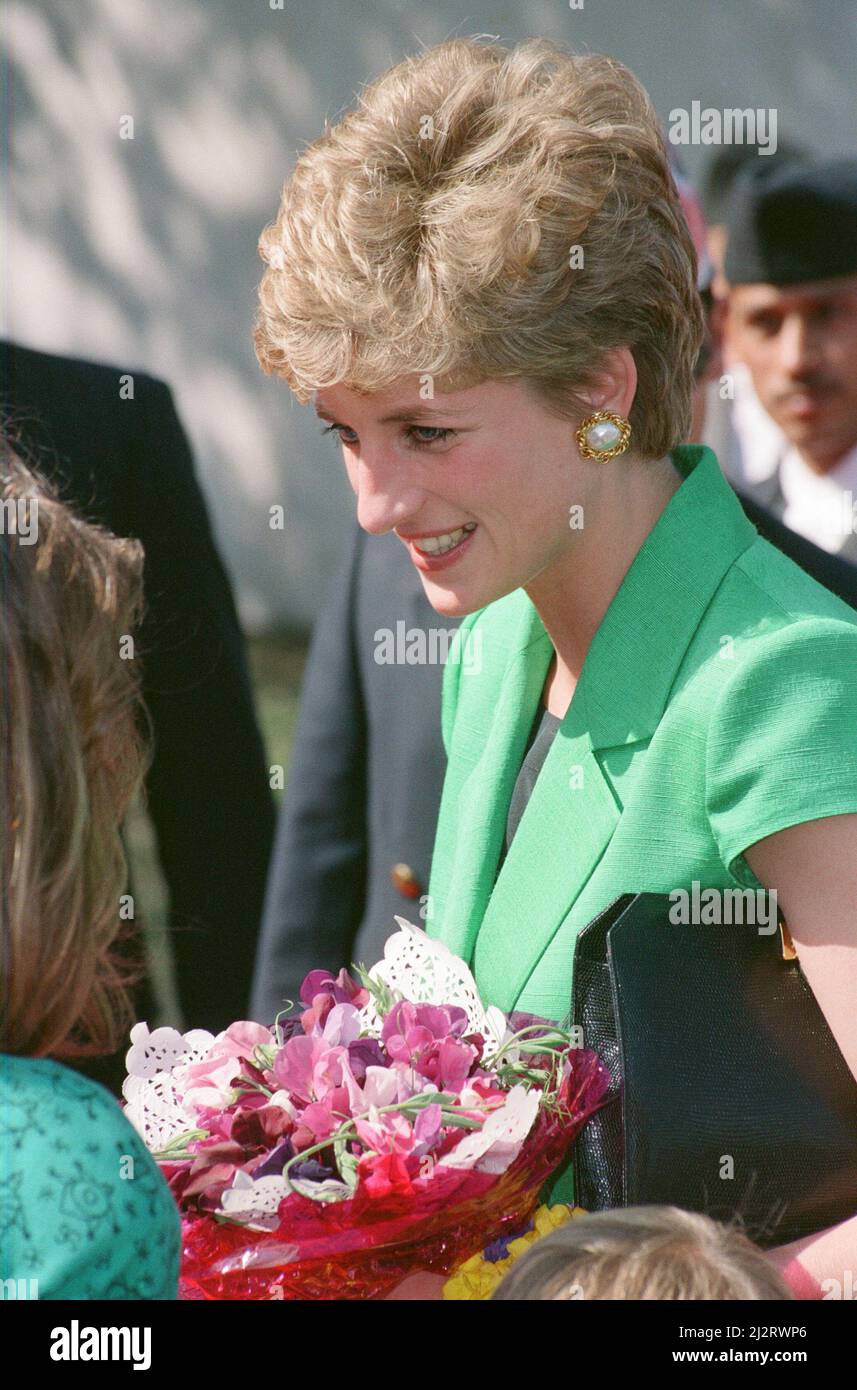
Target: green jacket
[{"x": 717, "y": 705}]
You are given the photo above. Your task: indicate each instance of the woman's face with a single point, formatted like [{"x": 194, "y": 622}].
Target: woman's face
[{"x": 477, "y": 484}]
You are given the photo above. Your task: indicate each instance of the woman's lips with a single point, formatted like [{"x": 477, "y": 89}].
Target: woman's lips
[{"x": 431, "y": 563}]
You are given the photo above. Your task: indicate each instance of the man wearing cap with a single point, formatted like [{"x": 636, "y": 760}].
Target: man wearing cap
[{"x": 791, "y": 320}]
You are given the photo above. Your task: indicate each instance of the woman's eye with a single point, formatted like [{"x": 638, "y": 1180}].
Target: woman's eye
[
  {"x": 434, "y": 430},
  {"x": 329, "y": 429},
  {"x": 417, "y": 433}
]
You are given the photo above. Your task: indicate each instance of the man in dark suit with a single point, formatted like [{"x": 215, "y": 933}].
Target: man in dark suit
[
  {"x": 357, "y": 826},
  {"x": 356, "y": 829},
  {"x": 124, "y": 461}
]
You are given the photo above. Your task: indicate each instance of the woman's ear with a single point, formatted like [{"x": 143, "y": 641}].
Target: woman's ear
[{"x": 615, "y": 384}]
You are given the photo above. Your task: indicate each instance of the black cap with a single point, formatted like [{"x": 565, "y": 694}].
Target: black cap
[{"x": 793, "y": 223}]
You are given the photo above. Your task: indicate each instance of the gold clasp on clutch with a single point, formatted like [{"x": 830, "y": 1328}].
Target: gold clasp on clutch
[{"x": 789, "y": 952}]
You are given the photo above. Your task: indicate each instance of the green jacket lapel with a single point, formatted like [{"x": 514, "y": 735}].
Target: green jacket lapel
[
  {"x": 482, "y": 771},
  {"x": 620, "y": 698},
  {"x": 566, "y": 826}
]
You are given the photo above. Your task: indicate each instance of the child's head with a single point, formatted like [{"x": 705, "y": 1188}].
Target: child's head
[
  {"x": 652, "y": 1252},
  {"x": 70, "y": 761}
]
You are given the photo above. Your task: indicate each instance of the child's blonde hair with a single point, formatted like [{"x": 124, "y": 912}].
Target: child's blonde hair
[{"x": 650, "y": 1252}]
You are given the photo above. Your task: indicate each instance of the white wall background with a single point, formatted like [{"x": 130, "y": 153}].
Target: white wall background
[{"x": 143, "y": 251}]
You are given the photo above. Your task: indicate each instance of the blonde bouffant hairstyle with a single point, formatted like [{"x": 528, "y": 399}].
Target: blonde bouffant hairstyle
[
  {"x": 73, "y": 754},
  {"x": 488, "y": 213}
]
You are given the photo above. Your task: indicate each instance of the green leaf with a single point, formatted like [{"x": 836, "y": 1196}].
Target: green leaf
[{"x": 384, "y": 997}]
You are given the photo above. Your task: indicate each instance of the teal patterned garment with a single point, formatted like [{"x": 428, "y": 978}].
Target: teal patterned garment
[{"x": 83, "y": 1207}]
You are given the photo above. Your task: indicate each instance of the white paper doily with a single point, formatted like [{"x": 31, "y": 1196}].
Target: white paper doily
[
  {"x": 424, "y": 971},
  {"x": 155, "y": 1061}
]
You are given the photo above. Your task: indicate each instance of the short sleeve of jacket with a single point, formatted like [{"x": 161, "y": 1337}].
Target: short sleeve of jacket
[{"x": 782, "y": 741}]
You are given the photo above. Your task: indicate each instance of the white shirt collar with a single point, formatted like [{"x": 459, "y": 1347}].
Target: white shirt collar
[
  {"x": 820, "y": 506},
  {"x": 761, "y": 442}
]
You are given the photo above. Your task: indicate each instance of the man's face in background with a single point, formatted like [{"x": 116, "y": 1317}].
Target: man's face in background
[{"x": 799, "y": 343}]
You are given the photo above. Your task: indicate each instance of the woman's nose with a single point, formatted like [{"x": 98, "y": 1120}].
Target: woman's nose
[{"x": 385, "y": 495}]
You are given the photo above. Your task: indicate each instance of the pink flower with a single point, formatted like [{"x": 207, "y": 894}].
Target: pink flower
[
  {"x": 341, "y": 1026},
  {"x": 209, "y": 1082},
  {"x": 386, "y": 1133},
  {"x": 319, "y": 1120},
  {"x": 294, "y": 1066},
  {"x": 244, "y": 1037},
  {"x": 428, "y": 1038},
  {"x": 447, "y": 1063},
  {"x": 310, "y": 1065},
  {"x": 396, "y": 1156},
  {"x": 321, "y": 992},
  {"x": 217, "y": 1122},
  {"x": 483, "y": 1094},
  {"x": 388, "y": 1086},
  {"x": 385, "y": 1175},
  {"x": 428, "y": 1129},
  {"x": 239, "y": 1041},
  {"x": 327, "y": 1070}
]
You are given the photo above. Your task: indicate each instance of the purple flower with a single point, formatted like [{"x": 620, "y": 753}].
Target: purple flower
[
  {"x": 272, "y": 1166},
  {"x": 499, "y": 1248},
  {"x": 342, "y": 988},
  {"x": 363, "y": 1053},
  {"x": 289, "y": 1027},
  {"x": 310, "y": 1170},
  {"x": 518, "y": 1020}
]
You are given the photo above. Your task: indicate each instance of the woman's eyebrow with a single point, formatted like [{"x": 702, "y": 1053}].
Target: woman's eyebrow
[
  {"x": 423, "y": 412},
  {"x": 416, "y": 412}
]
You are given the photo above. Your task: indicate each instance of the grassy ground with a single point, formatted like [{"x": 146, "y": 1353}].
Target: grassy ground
[{"x": 276, "y": 665}]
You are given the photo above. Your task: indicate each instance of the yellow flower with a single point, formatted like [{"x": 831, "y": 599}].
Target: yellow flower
[{"x": 477, "y": 1278}]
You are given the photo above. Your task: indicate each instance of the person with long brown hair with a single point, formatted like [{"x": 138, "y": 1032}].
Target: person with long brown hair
[{"x": 89, "y": 1214}]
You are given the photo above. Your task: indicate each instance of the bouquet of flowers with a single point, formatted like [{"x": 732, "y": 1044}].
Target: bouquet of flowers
[{"x": 394, "y": 1125}]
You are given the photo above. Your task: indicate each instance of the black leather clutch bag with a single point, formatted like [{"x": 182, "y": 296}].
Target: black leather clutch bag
[{"x": 730, "y": 1095}]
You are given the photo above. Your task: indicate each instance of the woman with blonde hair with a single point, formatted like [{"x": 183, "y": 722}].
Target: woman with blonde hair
[
  {"x": 483, "y": 278},
  {"x": 88, "y": 1213}
]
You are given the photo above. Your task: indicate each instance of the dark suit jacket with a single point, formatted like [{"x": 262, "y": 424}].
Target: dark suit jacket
[
  {"x": 127, "y": 464},
  {"x": 368, "y": 768},
  {"x": 365, "y": 777}
]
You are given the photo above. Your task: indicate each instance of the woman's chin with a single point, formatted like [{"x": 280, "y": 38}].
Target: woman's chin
[{"x": 458, "y": 602}]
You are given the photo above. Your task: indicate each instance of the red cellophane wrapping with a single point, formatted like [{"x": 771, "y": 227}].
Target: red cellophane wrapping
[{"x": 364, "y": 1247}]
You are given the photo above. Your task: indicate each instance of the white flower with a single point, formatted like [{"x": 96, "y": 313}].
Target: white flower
[{"x": 497, "y": 1144}]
